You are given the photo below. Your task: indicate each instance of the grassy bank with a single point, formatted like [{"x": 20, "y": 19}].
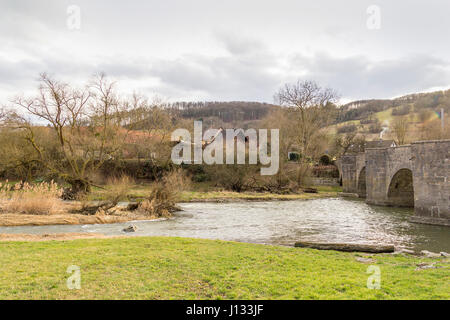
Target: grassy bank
[
  {"x": 205, "y": 192},
  {"x": 176, "y": 268}
]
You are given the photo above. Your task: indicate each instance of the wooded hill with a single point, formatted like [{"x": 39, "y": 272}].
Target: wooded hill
[
  {"x": 242, "y": 112},
  {"x": 417, "y": 102},
  {"x": 218, "y": 113}
]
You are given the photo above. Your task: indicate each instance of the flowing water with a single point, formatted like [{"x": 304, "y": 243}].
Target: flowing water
[{"x": 280, "y": 223}]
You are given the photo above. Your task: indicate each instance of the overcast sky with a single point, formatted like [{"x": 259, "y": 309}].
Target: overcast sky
[{"x": 228, "y": 50}]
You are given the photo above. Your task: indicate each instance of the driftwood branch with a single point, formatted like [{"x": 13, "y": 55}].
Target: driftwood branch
[{"x": 347, "y": 247}]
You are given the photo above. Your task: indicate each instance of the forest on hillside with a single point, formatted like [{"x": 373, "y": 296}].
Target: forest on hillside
[
  {"x": 418, "y": 102},
  {"x": 225, "y": 111}
]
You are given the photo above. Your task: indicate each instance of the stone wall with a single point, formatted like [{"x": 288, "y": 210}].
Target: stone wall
[
  {"x": 376, "y": 176},
  {"x": 431, "y": 175},
  {"x": 382, "y": 164},
  {"x": 412, "y": 175},
  {"x": 348, "y": 167},
  {"x": 351, "y": 166},
  {"x": 334, "y": 182}
]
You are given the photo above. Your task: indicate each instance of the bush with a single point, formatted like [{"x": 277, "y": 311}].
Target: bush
[
  {"x": 375, "y": 128},
  {"x": 347, "y": 128},
  {"x": 425, "y": 114},
  {"x": 196, "y": 172},
  {"x": 234, "y": 177},
  {"x": 368, "y": 121},
  {"x": 40, "y": 199},
  {"x": 164, "y": 195},
  {"x": 144, "y": 169},
  {"x": 401, "y": 111},
  {"x": 117, "y": 189}
]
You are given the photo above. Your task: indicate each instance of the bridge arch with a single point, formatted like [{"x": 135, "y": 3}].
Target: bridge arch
[
  {"x": 361, "y": 188},
  {"x": 401, "y": 190}
]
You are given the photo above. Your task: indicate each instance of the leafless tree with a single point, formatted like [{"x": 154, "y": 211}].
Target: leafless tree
[
  {"x": 350, "y": 142},
  {"x": 400, "y": 129},
  {"x": 310, "y": 104},
  {"x": 83, "y": 128},
  {"x": 2, "y": 115}
]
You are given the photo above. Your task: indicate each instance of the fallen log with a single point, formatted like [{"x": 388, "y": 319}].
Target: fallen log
[
  {"x": 347, "y": 247},
  {"x": 310, "y": 190}
]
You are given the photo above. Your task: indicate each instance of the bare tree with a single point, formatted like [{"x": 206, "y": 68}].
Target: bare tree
[
  {"x": 350, "y": 142},
  {"x": 153, "y": 124},
  {"x": 400, "y": 129},
  {"x": 2, "y": 116},
  {"x": 311, "y": 106},
  {"x": 83, "y": 128}
]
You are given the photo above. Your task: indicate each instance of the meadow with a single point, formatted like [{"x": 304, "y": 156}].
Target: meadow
[{"x": 180, "y": 268}]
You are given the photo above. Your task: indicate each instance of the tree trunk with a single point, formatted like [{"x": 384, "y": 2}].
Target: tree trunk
[
  {"x": 347, "y": 247},
  {"x": 78, "y": 188}
]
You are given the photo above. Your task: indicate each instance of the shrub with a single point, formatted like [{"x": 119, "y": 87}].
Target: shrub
[
  {"x": 401, "y": 111},
  {"x": 234, "y": 177},
  {"x": 117, "y": 189},
  {"x": 164, "y": 195},
  {"x": 40, "y": 199},
  {"x": 303, "y": 175},
  {"x": 368, "y": 121},
  {"x": 425, "y": 114},
  {"x": 375, "y": 128},
  {"x": 347, "y": 128}
]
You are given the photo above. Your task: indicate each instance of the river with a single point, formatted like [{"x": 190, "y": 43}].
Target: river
[{"x": 280, "y": 223}]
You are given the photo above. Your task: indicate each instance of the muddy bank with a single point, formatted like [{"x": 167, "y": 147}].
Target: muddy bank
[
  {"x": 15, "y": 219},
  {"x": 47, "y": 237}
]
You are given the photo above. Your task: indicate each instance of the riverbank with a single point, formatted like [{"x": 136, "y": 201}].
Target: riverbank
[
  {"x": 229, "y": 196},
  {"x": 19, "y": 219},
  {"x": 180, "y": 268},
  {"x": 49, "y": 236},
  {"x": 207, "y": 193},
  {"x": 64, "y": 217}
]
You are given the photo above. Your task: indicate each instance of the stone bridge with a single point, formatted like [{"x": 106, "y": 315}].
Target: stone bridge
[{"x": 416, "y": 175}]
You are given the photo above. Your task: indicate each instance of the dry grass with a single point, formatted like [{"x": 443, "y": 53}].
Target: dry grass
[
  {"x": 116, "y": 190},
  {"x": 164, "y": 195},
  {"x": 25, "y": 198}
]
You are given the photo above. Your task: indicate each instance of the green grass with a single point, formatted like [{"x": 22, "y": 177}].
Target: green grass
[
  {"x": 192, "y": 196},
  {"x": 386, "y": 118},
  {"x": 204, "y": 191},
  {"x": 178, "y": 268}
]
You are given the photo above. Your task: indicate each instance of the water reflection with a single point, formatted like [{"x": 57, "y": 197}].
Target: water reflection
[{"x": 282, "y": 223}]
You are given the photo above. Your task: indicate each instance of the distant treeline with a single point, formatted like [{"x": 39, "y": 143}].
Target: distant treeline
[
  {"x": 359, "y": 110},
  {"x": 231, "y": 111},
  {"x": 237, "y": 111}
]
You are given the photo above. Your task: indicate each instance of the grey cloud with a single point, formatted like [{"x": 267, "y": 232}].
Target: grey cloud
[
  {"x": 243, "y": 74},
  {"x": 261, "y": 44},
  {"x": 238, "y": 44},
  {"x": 359, "y": 77}
]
